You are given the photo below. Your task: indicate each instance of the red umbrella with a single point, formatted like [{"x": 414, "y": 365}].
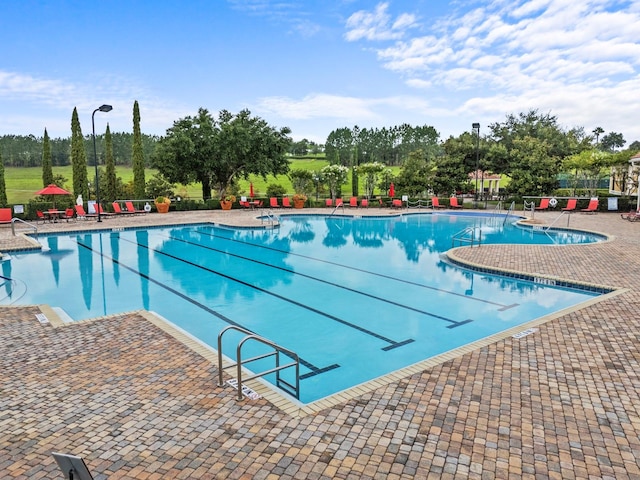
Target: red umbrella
[
  {"x": 53, "y": 190},
  {"x": 251, "y": 190},
  {"x": 392, "y": 190}
]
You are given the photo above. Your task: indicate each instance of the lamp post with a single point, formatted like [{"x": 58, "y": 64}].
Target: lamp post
[
  {"x": 101, "y": 108},
  {"x": 476, "y": 127}
]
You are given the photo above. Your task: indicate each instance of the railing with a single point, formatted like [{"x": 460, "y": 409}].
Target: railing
[
  {"x": 270, "y": 216},
  {"x": 467, "y": 236},
  {"x": 292, "y": 389},
  {"x": 512, "y": 207},
  {"x": 419, "y": 204},
  {"x": 340, "y": 205},
  {"x": 547, "y": 227},
  {"x": 30, "y": 226}
]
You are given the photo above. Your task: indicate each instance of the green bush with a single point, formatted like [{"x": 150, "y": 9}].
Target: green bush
[{"x": 275, "y": 190}]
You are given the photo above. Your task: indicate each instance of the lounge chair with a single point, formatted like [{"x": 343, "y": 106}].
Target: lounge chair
[
  {"x": 396, "y": 203},
  {"x": 5, "y": 215},
  {"x": 132, "y": 209},
  {"x": 571, "y": 205},
  {"x": 328, "y": 202},
  {"x": 630, "y": 215},
  {"x": 453, "y": 203},
  {"x": 435, "y": 203},
  {"x": 286, "y": 203},
  {"x": 102, "y": 212},
  {"x": 364, "y": 203},
  {"x": 339, "y": 202},
  {"x": 544, "y": 204},
  {"x": 353, "y": 202},
  {"x": 273, "y": 202},
  {"x": 592, "y": 207},
  {"x": 119, "y": 211},
  {"x": 82, "y": 215}
]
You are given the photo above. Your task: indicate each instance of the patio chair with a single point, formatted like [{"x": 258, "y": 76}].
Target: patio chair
[
  {"x": 102, "y": 212},
  {"x": 629, "y": 214},
  {"x": 453, "y": 203},
  {"x": 364, "y": 203},
  {"x": 40, "y": 217},
  {"x": 273, "y": 202},
  {"x": 68, "y": 214},
  {"x": 328, "y": 202},
  {"x": 544, "y": 204},
  {"x": 396, "y": 203},
  {"x": 118, "y": 210},
  {"x": 571, "y": 205},
  {"x": 339, "y": 202},
  {"x": 5, "y": 215},
  {"x": 132, "y": 209},
  {"x": 435, "y": 203},
  {"x": 353, "y": 202},
  {"x": 82, "y": 215},
  {"x": 286, "y": 203},
  {"x": 592, "y": 207}
]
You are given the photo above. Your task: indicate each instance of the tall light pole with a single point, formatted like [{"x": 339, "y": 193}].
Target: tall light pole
[
  {"x": 476, "y": 127},
  {"x": 101, "y": 108}
]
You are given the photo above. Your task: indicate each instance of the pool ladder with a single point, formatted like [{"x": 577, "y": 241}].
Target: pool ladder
[
  {"x": 292, "y": 389},
  {"x": 467, "y": 236}
]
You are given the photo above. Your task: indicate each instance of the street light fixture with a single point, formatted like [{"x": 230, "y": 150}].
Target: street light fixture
[
  {"x": 101, "y": 108},
  {"x": 476, "y": 127}
]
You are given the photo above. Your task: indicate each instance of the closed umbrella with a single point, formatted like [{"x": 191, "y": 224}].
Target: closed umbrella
[
  {"x": 392, "y": 190},
  {"x": 53, "y": 190},
  {"x": 251, "y": 189}
]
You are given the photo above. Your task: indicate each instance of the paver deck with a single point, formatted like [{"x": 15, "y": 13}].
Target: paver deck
[{"x": 136, "y": 403}]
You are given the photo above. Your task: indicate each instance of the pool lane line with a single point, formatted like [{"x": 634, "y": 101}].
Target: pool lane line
[
  {"x": 454, "y": 323},
  {"x": 313, "y": 369},
  {"x": 278, "y": 296},
  {"x": 356, "y": 269}
]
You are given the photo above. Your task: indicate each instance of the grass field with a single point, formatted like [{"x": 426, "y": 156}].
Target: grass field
[{"x": 22, "y": 183}]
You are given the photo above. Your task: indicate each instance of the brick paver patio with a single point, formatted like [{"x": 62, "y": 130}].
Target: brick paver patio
[{"x": 136, "y": 403}]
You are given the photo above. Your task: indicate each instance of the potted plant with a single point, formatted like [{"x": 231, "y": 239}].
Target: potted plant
[
  {"x": 299, "y": 199},
  {"x": 162, "y": 204},
  {"x": 227, "y": 201}
]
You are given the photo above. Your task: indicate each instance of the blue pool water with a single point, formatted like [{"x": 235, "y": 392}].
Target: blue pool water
[{"x": 355, "y": 298}]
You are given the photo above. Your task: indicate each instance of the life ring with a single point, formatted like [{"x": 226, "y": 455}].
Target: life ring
[
  {"x": 553, "y": 203},
  {"x": 147, "y": 207}
]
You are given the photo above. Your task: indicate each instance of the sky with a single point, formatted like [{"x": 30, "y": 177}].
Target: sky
[{"x": 316, "y": 66}]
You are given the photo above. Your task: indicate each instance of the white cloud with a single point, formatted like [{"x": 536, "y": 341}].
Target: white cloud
[{"x": 378, "y": 25}]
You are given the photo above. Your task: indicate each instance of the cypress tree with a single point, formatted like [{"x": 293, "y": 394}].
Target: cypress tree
[
  {"x": 137, "y": 157},
  {"x": 47, "y": 171},
  {"x": 110, "y": 187},
  {"x": 78, "y": 159},
  {"x": 3, "y": 187}
]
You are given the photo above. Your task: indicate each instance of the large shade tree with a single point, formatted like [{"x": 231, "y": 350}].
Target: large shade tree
[{"x": 218, "y": 152}]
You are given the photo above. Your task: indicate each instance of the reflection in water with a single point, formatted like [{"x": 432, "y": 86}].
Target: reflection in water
[
  {"x": 142, "y": 237},
  {"x": 85, "y": 263},
  {"x": 302, "y": 231},
  {"x": 339, "y": 229},
  {"x": 55, "y": 261},
  {"x": 6, "y": 273},
  {"x": 115, "y": 253}
]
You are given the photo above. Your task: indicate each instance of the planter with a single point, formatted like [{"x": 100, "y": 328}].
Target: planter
[
  {"x": 298, "y": 203},
  {"x": 226, "y": 205},
  {"x": 162, "y": 207}
]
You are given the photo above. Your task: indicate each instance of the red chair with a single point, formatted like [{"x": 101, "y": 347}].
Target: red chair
[
  {"x": 132, "y": 209},
  {"x": 328, "y": 202},
  {"x": 40, "y": 216},
  {"x": 273, "y": 202},
  {"x": 571, "y": 205},
  {"x": 592, "y": 207},
  {"x": 435, "y": 203},
  {"x": 453, "y": 203},
  {"x": 339, "y": 202},
  {"x": 82, "y": 215},
  {"x": 353, "y": 202},
  {"x": 544, "y": 204},
  {"x": 396, "y": 203},
  {"x": 5, "y": 215},
  {"x": 364, "y": 203},
  {"x": 119, "y": 211},
  {"x": 68, "y": 214},
  {"x": 286, "y": 203}
]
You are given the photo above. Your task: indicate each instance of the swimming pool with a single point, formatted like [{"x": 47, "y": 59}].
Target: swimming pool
[{"x": 355, "y": 298}]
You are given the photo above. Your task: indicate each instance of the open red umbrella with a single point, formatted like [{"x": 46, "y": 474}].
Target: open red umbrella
[
  {"x": 53, "y": 190},
  {"x": 392, "y": 190},
  {"x": 251, "y": 189}
]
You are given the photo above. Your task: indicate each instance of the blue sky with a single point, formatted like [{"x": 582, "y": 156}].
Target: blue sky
[{"x": 315, "y": 66}]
